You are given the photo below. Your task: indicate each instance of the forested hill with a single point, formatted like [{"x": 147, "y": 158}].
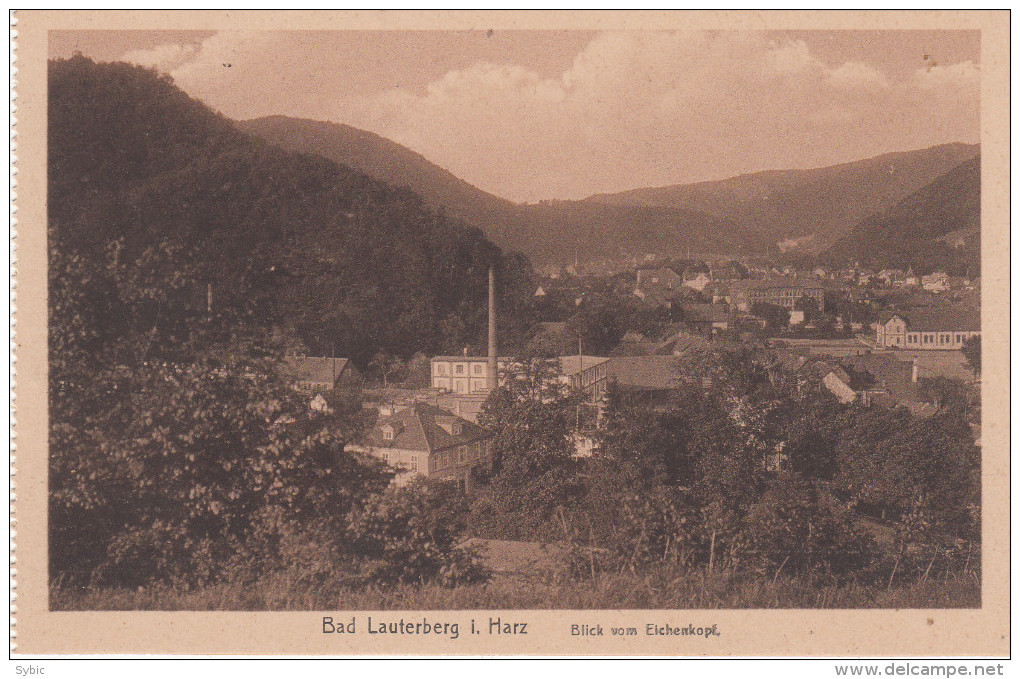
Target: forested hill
[
  {"x": 547, "y": 231},
  {"x": 386, "y": 161},
  {"x": 818, "y": 206},
  {"x": 936, "y": 227},
  {"x": 745, "y": 214},
  {"x": 339, "y": 260}
]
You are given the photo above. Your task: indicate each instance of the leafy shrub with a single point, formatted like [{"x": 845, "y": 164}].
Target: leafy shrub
[{"x": 410, "y": 534}]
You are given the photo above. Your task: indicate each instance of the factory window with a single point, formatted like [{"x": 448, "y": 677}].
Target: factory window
[
  {"x": 440, "y": 368},
  {"x": 459, "y": 369},
  {"x": 478, "y": 368},
  {"x": 414, "y": 463}
]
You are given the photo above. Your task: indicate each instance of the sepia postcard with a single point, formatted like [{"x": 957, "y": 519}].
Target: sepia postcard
[{"x": 511, "y": 333}]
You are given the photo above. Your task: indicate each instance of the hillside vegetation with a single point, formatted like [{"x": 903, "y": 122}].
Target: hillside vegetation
[
  {"x": 827, "y": 202},
  {"x": 750, "y": 213},
  {"x": 936, "y": 227},
  {"x": 340, "y": 261}
]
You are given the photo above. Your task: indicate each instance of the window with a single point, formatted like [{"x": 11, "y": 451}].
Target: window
[
  {"x": 477, "y": 368},
  {"x": 387, "y": 433},
  {"x": 385, "y": 457},
  {"x": 414, "y": 463},
  {"x": 440, "y": 368},
  {"x": 459, "y": 369},
  {"x": 462, "y": 454}
]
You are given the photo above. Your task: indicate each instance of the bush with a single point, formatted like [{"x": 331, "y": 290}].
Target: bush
[{"x": 410, "y": 534}]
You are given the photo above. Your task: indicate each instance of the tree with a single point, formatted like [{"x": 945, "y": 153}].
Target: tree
[
  {"x": 809, "y": 305},
  {"x": 410, "y": 534},
  {"x": 177, "y": 452},
  {"x": 534, "y": 471},
  {"x": 599, "y": 322},
  {"x": 777, "y": 317},
  {"x": 972, "y": 353},
  {"x": 385, "y": 364}
]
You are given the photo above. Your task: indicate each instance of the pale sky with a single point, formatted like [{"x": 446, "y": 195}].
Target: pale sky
[{"x": 529, "y": 115}]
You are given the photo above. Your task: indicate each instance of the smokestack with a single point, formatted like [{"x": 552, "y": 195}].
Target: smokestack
[
  {"x": 493, "y": 367},
  {"x": 913, "y": 371}
]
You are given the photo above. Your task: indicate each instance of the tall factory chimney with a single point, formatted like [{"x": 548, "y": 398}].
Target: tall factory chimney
[{"x": 493, "y": 364}]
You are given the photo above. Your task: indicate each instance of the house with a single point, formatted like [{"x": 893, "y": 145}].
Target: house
[
  {"x": 697, "y": 281},
  {"x": 938, "y": 281},
  {"x": 679, "y": 342},
  {"x": 582, "y": 372},
  {"x": 871, "y": 379},
  {"x": 650, "y": 379},
  {"x": 927, "y": 328},
  {"x": 465, "y": 374},
  {"x": 781, "y": 290},
  {"x": 707, "y": 319},
  {"x": 658, "y": 286},
  {"x": 318, "y": 374},
  {"x": 425, "y": 440},
  {"x": 884, "y": 380}
]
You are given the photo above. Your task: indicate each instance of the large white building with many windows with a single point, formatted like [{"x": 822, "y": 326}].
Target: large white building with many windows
[{"x": 927, "y": 329}]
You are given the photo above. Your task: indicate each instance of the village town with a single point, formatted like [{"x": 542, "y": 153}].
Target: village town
[
  {"x": 302, "y": 362},
  {"x": 872, "y": 337}
]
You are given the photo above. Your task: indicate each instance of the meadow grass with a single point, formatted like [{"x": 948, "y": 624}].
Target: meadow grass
[{"x": 658, "y": 590}]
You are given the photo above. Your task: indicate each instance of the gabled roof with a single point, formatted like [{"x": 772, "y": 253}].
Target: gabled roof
[
  {"x": 887, "y": 372},
  {"x": 935, "y": 319},
  {"x": 779, "y": 282},
  {"x": 419, "y": 428},
  {"x": 680, "y": 342},
  {"x": 571, "y": 365},
  {"x": 318, "y": 369},
  {"x": 644, "y": 372},
  {"x": 706, "y": 313}
]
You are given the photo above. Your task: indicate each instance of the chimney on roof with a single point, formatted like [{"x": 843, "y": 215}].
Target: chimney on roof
[{"x": 493, "y": 366}]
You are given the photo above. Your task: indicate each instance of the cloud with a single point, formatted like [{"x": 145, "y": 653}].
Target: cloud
[
  {"x": 856, "y": 75},
  {"x": 166, "y": 57},
  {"x": 634, "y": 108}
]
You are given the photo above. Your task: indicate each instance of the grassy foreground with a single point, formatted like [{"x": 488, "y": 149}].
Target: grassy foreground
[{"x": 609, "y": 591}]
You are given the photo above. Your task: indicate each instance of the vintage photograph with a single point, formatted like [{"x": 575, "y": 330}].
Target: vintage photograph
[
  {"x": 514, "y": 320},
  {"x": 509, "y": 332}
]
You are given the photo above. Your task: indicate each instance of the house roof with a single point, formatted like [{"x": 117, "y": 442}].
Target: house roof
[
  {"x": 934, "y": 319},
  {"x": 778, "y": 282},
  {"x": 571, "y": 365},
  {"x": 319, "y": 369},
  {"x": 501, "y": 359},
  {"x": 668, "y": 276},
  {"x": 680, "y": 342},
  {"x": 706, "y": 313},
  {"x": 644, "y": 372},
  {"x": 418, "y": 427},
  {"x": 886, "y": 372}
]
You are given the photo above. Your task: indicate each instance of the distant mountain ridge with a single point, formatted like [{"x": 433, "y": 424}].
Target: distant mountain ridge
[
  {"x": 936, "y": 227},
  {"x": 754, "y": 213},
  {"x": 385, "y": 160},
  {"x": 826, "y": 202}
]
